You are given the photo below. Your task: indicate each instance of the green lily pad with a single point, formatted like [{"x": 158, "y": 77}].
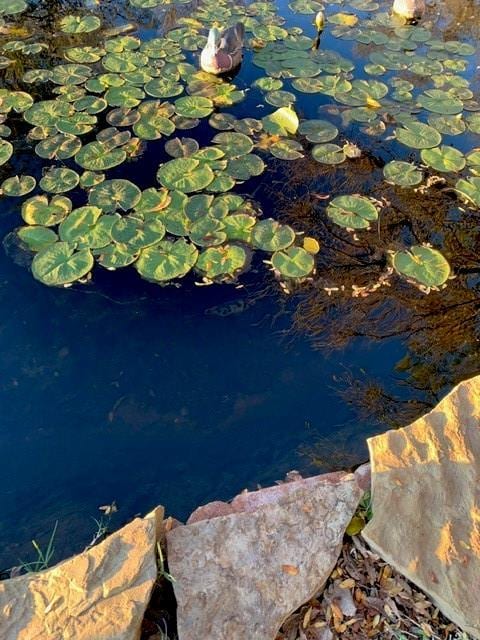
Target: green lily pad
[
  {"x": 318, "y": 130},
  {"x": 61, "y": 147},
  {"x": 6, "y": 151},
  {"x": 469, "y": 190},
  {"x": 46, "y": 113},
  {"x": 268, "y": 84},
  {"x": 280, "y": 98},
  {"x": 283, "y": 121},
  {"x": 80, "y": 24},
  {"x": 95, "y": 156},
  {"x": 328, "y": 154},
  {"x": 36, "y": 237},
  {"x": 440, "y": 101},
  {"x": 59, "y": 264},
  {"x": 193, "y": 107},
  {"x": 286, "y": 149},
  {"x": 185, "y": 175},
  {"x": 293, "y": 262},
  {"x": 426, "y": 266},
  {"x": 181, "y": 147},
  {"x": 70, "y": 74},
  {"x": 246, "y": 166},
  {"x": 89, "y": 179},
  {"x": 239, "y": 226},
  {"x": 12, "y": 7},
  {"x": 418, "y": 135},
  {"x": 444, "y": 159},
  {"x": 78, "y": 224},
  {"x": 270, "y": 235},
  {"x": 403, "y": 174},
  {"x": 473, "y": 122},
  {"x": 233, "y": 144},
  {"x": 59, "y": 180},
  {"x": 113, "y": 195},
  {"x": 90, "y": 104},
  {"x": 138, "y": 234},
  {"x": 207, "y": 232},
  {"x": 352, "y": 212},
  {"x": 125, "y": 96},
  {"x": 114, "y": 256},
  {"x": 224, "y": 261},
  {"x": 39, "y": 210},
  {"x": 84, "y": 55},
  {"x": 76, "y": 124},
  {"x": 448, "y": 124},
  {"x": 18, "y": 186},
  {"x": 167, "y": 260}
]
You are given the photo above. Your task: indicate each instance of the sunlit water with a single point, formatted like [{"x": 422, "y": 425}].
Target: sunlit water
[{"x": 122, "y": 390}]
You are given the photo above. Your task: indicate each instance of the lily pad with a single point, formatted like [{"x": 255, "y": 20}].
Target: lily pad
[
  {"x": 193, "y": 107},
  {"x": 80, "y": 24},
  {"x": 113, "y": 195},
  {"x": 36, "y": 237},
  {"x": 271, "y": 235},
  {"x": 318, "y": 130},
  {"x": 440, "y": 101},
  {"x": 294, "y": 262},
  {"x": 418, "y": 135},
  {"x": 226, "y": 260},
  {"x": 283, "y": 121},
  {"x": 18, "y": 186},
  {"x": 79, "y": 223},
  {"x": 185, "y": 175},
  {"x": 469, "y": 190},
  {"x": 59, "y": 264},
  {"x": 39, "y": 210},
  {"x": 167, "y": 260},
  {"x": 61, "y": 147},
  {"x": 96, "y": 156},
  {"x": 328, "y": 153},
  {"x": 444, "y": 159},
  {"x": 403, "y": 174},
  {"x": 59, "y": 180},
  {"x": 352, "y": 212},
  {"x": 426, "y": 266},
  {"x": 6, "y": 151}
]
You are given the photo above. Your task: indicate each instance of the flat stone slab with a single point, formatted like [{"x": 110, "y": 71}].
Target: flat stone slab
[
  {"x": 426, "y": 503},
  {"x": 242, "y": 568},
  {"x": 100, "y": 594}
]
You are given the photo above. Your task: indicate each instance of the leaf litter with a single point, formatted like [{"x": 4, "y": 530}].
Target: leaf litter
[{"x": 365, "y": 597}]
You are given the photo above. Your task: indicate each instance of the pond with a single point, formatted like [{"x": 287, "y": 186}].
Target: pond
[{"x": 209, "y": 282}]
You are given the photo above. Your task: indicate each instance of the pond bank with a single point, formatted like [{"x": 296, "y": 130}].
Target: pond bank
[{"x": 241, "y": 569}]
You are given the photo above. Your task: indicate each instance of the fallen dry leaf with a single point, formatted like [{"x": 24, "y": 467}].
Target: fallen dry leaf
[{"x": 291, "y": 569}]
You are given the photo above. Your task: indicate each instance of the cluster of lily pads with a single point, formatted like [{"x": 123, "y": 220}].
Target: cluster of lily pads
[{"x": 115, "y": 92}]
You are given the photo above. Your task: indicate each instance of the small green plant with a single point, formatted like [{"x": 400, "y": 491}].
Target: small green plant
[
  {"x": 43, "y": 557},
  {"x": 363, "y": 515},
  {"x": 161, "y": 565},
  {"x": 103, "y": 523}
]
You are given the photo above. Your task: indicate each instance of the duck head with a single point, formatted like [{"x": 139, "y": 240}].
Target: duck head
[
  {"x": 213, "y": 58},
  {"x": 213, "y": 41}
]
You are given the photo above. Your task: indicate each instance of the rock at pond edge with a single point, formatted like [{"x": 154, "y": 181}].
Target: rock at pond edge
[
  {"x": 100, "y": 594},
  {"x": 426, "y": 503},
  {"x": 241, "y": 574}
]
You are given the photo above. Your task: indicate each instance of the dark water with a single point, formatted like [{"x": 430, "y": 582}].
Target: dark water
[{"x": 122, "y": 390}]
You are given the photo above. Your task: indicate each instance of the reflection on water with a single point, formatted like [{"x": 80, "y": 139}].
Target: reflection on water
[{"x": 121, "y": 390}]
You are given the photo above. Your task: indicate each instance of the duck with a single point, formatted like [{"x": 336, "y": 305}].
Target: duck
[
  {"x": 224, "y": 50},
  {"x": 409, "y": 9}
]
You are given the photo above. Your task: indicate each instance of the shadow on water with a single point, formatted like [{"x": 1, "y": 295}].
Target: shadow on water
[{"x": 122, "y": 390}]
